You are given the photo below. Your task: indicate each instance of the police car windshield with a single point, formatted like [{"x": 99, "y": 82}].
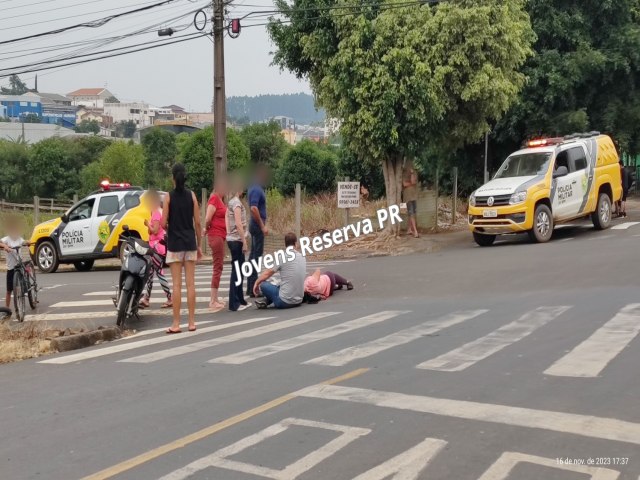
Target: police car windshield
[{"x": 525, "y": 165}]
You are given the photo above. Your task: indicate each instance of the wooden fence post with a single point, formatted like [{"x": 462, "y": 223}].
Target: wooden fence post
[
  {"x": 454, "y": 203},
  {"x": 36, "y": 210},
  {"x": 298, "y": 210}
]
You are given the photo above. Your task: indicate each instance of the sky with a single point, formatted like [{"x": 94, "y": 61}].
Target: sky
[{"x": 180, "y": 74}]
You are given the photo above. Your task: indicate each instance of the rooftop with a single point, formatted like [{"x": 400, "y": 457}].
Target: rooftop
[
  {"x": 87, "y": 92},
  {"x": 34, "y": 132}
]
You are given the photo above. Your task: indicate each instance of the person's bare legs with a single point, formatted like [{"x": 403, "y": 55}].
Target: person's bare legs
[
  {"x": 7, "y": 300},
  {"x": 190, "y": 279},
  {"x": 176, "y": 293},
  {"x": 413, "y": 227}
]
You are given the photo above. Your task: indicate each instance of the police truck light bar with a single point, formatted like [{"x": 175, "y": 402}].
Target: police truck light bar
[
  {"x": 105, "y": 185},
  {"x": 543, "y": 142}
]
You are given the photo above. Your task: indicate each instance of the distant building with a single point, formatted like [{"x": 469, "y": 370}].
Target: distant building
[
  {"x": 178, "y": 112},
  {"x": 56, "y": 109},
  {"x": 289, "y": 135},
  {"x": 139, "y": 112},
  {"x": 90, "y": 97},
  {"x": 284, "y": 122},
  {"x": 3, "y": 111},
  {"x": 34, "y": 132},
  {"x": 94, "y": 114},
  {"x": 204, "y": 118},
  {"x": 19, "y": 106}
]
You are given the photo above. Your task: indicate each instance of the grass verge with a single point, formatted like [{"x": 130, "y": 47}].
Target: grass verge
[{"x": 23, "y": 341}]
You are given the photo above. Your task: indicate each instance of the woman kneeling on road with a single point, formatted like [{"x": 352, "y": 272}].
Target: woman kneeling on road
[{"x": 324, "y": 284}]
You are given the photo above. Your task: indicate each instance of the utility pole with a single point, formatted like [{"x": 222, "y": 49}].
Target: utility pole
[
  {"x": 486, "y": 154},
  {"x": 219, "y": 96}
]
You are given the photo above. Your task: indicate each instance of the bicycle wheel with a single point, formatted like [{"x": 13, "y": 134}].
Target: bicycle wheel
[
  {"x": 5, "y": 313},
  {"x": 18, "y": 295},
  {"x": 32, "y": 287}
]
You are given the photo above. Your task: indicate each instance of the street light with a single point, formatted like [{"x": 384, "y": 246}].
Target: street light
[{"x": 166, "y": 32}]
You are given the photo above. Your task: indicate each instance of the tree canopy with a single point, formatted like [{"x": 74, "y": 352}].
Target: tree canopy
[
  {"x": 265, "y": 141},
  {"x": 16, "y": 86},
  {"x": 311, "y": 165},
  {"x": 401, "y": 78},
  {"x": 160, "y": 153}
]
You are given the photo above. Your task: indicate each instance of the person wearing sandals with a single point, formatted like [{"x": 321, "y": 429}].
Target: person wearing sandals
[
  {"x": 156, "y": 236},
  {"x": 324, "y": 284},
  {"x": 215, "y": 229},
  {"x": 237, "y": 241},
  {"x": 181, "y": 218}
]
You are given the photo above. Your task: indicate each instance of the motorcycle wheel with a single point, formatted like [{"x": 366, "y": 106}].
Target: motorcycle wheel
[{"x": 123, "y": 307}]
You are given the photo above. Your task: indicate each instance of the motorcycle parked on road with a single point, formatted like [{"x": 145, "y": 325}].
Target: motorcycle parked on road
[{"x": 138, "y": 264}]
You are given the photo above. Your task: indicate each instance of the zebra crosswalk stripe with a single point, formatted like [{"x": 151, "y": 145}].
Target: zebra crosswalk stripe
[
  {"x": 472, "y": 352},
  {"x": 349, "y": 354},
  {"x": 592, "y": 356},
  {"x": 290, "y": 343},
  {"x": 194, "y": 347},
  {"x": 123, "y": 347},
  {"x": 102, "y": 303}
]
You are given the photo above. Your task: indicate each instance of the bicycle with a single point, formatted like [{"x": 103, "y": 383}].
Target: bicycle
[{"x": 24, "y": 285}]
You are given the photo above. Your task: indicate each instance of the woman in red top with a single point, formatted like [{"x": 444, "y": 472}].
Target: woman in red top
[{"x": 215, "y": 228}]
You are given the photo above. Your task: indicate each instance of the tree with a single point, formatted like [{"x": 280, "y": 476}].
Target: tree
[
  {"x": 309, "y": 164},
  {"x": 31, "y": 118},
  {"x": 368, "y": 173},
  {"x": 88, "y": 126},
  {"x": 120, "y": 162},
  {"x": 196, "y": 152},
  {"x": 401, "y": 78},
  {"x": 584, "y": 76},
  {"x": 126, "y": 129},
  {"x": 14, "y": 157},
  {"x": 112, "y": 99},
  {"x": 265, "y": 142},
  {"x": 160, "y": 152},
  {"x": 16, "y": 86},
  {"x": 51, "y": 169}
]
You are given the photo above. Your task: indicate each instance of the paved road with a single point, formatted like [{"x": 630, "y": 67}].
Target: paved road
[{"x": 470, "y": 363}]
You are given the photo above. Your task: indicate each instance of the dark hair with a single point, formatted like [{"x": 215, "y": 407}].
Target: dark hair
[
  {"x": 290, "y": 239},
  {"x": 179, "y": 176}
]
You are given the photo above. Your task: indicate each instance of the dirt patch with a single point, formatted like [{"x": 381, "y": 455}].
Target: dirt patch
[{"x": 20, "y": 341}]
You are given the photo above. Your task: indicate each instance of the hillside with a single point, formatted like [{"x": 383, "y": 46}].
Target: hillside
[{"x": 298, "y": 106}]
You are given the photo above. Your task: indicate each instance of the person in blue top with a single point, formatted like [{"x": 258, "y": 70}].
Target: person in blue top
[{"x": 257, "y": 221}]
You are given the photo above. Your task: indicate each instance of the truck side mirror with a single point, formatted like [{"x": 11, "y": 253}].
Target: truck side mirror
[
  {"x": 65, "y": 218},
  {"x": 560, "y": 172}
]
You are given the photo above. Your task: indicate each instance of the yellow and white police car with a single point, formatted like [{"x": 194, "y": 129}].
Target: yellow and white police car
[
  {"x": 91, "y": 229},
  {"x": 551, "y": 181}
]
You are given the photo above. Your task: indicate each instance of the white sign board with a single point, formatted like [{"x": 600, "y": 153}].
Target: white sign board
[{"x": 348, "y": 194}]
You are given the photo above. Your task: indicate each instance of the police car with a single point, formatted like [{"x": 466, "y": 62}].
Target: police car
[{"x": 91, "y": 229}]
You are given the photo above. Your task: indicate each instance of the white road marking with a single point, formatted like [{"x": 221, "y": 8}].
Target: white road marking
[
  {"x": 502, "y": 468},
  {"x": 123, "y": 347},
  {"x": 592, "y": 356},
  {"x": 51, "y": 287},
  {"x": 47, "y": 317},
  {"x": 625, "y": 225},
  {"x": 291, "y": 343},
  {"x": 103, "y": 303},
  {"x": 220, "y": 459},
  {"x": 402, "y": 337},
  {"x": 144, "y": 333},
  {"x": 565, "y": 239},
  {"x": 581, "y": 425},
  {"x": 472, "y": 352},
  {"x": 408, "y": 465},
  {"x": 194, "y": 347},
  {"x": 602, "y": 237},
  {"x": 156, "y": 290}
]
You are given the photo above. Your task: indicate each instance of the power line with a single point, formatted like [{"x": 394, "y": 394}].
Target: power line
[
  {"x": 92, "y": 24},
  {"x": 26, "y": 6},
  {"x": 184, "y": 38},
  {"x": 50, "y": 10}
]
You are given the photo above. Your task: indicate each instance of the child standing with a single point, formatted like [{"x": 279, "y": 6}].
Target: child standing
[
  {"x": 12, "y": 240},
  {"x": 156, "y": 236}
]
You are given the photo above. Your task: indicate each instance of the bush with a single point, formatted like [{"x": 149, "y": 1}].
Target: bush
[
  {"x": 120, "y": 162},
  {"x": 368, "y": 173},
  {"x": 311, "y": 165},
  {"x": 160, "y": 152}
]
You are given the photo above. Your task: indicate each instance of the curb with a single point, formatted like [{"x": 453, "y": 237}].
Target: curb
[{"x": 85, "y": 339}]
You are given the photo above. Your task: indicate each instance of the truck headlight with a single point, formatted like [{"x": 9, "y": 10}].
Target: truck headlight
[
  {"x": 518, "y": 197},
  {"x": 472, "y": 200}
]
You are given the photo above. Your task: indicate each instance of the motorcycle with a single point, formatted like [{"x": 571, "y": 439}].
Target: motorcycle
[{"x": 138, "y": 265}]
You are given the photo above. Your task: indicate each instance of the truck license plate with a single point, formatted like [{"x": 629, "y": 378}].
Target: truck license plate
[{"x": 490, "y": 213}]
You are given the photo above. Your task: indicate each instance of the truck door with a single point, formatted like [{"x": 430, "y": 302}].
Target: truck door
[
  {"x": 75, "y": 237},
  {"x": 569, "y": 190},
  {"x": 104, "y": 221}
]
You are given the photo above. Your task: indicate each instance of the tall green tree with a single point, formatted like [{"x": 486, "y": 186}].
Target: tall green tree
[
  {"x": 88, "y": 126},
  {"x": 51, "y": 169},
  {"x": 120, "y": 162},
  {"x": 160, "y": 151},
  {"x": 403, "y": 77},
  {"x": 311, "y": 165},
  {"x": 16, "y": 86},
  {"x": 265, "y": 142},
  {"x": 14, "y": 157},
  {"x": 196, "y": 152},
  {"x": 585, "y": 74},
  {"x": 126, "y": 129}
]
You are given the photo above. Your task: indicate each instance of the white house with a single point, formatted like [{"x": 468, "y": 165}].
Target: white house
[
  {"x": 139, "y": 112},
  {"x": 90, "y": 97}
]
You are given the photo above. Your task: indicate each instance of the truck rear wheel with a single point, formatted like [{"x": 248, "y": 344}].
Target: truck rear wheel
[
  {"x": 601, "y": 218},
  {"x": 484, "y": 240},
  {"x": 542, "y": 224}
]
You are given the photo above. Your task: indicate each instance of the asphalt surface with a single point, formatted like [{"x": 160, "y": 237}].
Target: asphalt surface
[{"x": 470, "y": 363}]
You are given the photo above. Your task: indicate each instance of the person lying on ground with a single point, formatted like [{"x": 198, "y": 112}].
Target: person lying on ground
[
  {"x": 291, "y": 289},
  {"x": 324, "y": 284}
]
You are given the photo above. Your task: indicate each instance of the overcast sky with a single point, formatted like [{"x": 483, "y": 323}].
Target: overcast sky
[{"x": 179, "y": 74}]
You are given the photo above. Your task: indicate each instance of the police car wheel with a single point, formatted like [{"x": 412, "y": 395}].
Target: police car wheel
[
  {"x": 47, "y": 257},
  {"x": 601, "y": 218},
  {"x": 542, "y": 224},
  {"x": 484, "y": 240},
  {"x": 84, "y": 265}
]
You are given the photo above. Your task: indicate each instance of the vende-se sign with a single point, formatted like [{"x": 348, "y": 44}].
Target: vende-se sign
[{"x": 348, "y": 194}]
